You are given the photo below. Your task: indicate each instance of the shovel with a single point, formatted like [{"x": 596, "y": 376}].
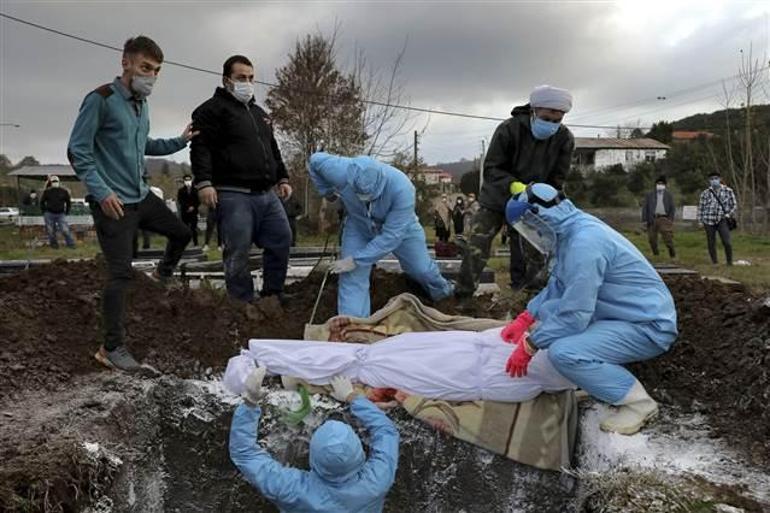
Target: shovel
[{"x": 318, "y": 297}]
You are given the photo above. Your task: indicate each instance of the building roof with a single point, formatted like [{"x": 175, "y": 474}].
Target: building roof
[
  {"x": 687, "y": 135},
  {"x": 435, "y": 171},
  {"x": 611, "y": 143},
  {"x": 63, "y": 171}
]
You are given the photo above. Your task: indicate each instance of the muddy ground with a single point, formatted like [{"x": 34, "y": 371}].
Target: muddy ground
[{"x": 49, "y": 330}]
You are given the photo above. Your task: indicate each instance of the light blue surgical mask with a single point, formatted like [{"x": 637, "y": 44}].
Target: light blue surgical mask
[
  {"x": 714, "y": 182},
  {"x": 542, "y": 129}
]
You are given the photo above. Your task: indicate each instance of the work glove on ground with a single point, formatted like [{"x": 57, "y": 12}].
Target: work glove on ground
[
  {"x": 514, "y": 330},
  {"x": 252, "y": 389},
  {"x": 342, "y": 388},
  {"x": 517, "y": 363},
  {"x": 343, "y": 265}
]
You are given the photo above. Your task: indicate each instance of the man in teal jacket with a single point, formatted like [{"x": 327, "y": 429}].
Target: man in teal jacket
[
  {"x": 106, "y": 150},
  {"x": 341, "y": 479}
]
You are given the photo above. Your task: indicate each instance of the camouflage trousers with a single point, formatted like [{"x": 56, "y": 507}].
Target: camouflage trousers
[{"x": 484, "y": 226}]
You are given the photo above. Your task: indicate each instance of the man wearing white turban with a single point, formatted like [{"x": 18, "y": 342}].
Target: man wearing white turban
[{"x": 531, "y": 146}]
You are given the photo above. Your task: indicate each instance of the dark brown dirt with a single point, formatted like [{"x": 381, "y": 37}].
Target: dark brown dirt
[
  {"x": 49, "y": 322},
  {"x": 49, "y": 330},
  {"x": 720, "y": 365}
]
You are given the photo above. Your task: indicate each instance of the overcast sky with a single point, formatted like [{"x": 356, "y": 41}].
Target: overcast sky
[{"x": 473, "y": 57}]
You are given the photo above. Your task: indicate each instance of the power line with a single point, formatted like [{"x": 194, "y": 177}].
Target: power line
[
  {"x": 423, "y": 110},
  {"x": 679, "y": 92}
]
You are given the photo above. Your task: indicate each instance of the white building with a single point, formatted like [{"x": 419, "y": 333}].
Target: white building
[
  {"x": 434, "y": 176},
  {"x": 597, "y": 153}
]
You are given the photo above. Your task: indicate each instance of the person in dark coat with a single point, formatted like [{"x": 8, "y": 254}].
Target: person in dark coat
[
  {"x": 531, "y": 146},
  {"x": 458, "y": 216},
  {"x": 55, "y": 204},
  {"x": 658, "y": 217},
  {"x": 187, "y": 197},
  {"x": 239, "y": 170}
]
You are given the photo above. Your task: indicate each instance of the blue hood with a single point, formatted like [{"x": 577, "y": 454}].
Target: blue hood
[
  {"x": 559, "y": 217},
  {"x": 363, "y": 174},
  {"x": 336, "y": 453}
]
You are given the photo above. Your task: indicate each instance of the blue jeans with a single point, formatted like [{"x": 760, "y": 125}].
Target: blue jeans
[
  {"x": 253, "y": 218},
  {"x": 54, "y": 223}
]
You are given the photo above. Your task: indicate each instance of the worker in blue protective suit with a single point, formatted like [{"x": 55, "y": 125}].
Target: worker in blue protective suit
[
  {"x": 604, "y": 306},
  {"x": 341, "y": 478},
  {"x": 380, "y": 218}
]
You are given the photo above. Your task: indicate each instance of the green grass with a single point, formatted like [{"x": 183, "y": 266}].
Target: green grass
[
  {"x": 690, "y": 247},
  {"x": 692, "y": 253}
]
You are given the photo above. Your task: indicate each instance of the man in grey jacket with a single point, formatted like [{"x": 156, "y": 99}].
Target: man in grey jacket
[{"x": 658, "y": 217}]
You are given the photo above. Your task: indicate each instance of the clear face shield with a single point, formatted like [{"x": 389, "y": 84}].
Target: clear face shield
[{"x": 537, "y": 232}]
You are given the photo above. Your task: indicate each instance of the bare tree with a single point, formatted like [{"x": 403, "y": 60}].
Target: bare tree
[
  {"x": 385, "y": 122},
  {"x": 749, "y": 74}
]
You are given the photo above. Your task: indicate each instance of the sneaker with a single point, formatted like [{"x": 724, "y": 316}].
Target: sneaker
[
  {"x": 119, "y": 359},
  {"x": 169, "y": 282},
  {"x": 205, "y": 248}
]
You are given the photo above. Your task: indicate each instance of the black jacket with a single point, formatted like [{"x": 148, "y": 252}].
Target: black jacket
[
  {"x": 515, "y": 155},
  {"x": 55, "y": 200},
  {"x": 650, "y": 202},
  {"x": 236, "y": 146},
  {"x": 187, "y": 199}
]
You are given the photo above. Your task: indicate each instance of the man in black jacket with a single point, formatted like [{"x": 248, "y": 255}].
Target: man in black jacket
[
  {"x": 658, "y": 217},
  {"x": 238, "y": 170},
  {"x": 187, "y": 197},
  {"x": 531, "y": 146},
  {"x": 55, "y": 204}
]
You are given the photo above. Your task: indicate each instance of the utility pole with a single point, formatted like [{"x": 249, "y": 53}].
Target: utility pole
[
  {"x": 414, "y": 161},
  {"x": 481, "y": 164}
]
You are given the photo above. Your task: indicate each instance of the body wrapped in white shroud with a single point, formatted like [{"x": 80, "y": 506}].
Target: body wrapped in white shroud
[{"x": 448, "y": 365}]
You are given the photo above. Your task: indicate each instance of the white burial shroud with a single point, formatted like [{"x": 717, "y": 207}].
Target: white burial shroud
[{"x": 448, "y": 365}]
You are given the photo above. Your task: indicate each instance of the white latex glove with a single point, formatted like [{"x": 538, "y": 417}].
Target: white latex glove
[
  {"x": 344, "y": 265},
  {"x": 342, "y": 388},
  {"x": 252, "y": 389}
]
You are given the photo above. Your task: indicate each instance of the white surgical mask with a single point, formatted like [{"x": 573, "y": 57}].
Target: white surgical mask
[
  {"x": 660, "y": 187},
  {"x": 142, "y": 85},
  {"x": 187, "y": 183},
  {"x": 243, "y": 91},
  {"x": 54, "y": 184}
]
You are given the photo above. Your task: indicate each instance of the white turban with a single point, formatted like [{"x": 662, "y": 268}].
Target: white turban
[{"x": 548, "y": 97}]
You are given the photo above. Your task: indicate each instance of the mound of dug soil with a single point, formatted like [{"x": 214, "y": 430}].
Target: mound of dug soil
[
  {"x": 720, "y": 366},
  {"x": 50, "y": 315}
]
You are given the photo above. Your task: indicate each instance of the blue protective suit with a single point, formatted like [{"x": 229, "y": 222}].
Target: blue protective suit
[
  {"x": 340, "y": 479},
  {"x": 387, "y": 223},
  {"x": 604, "y": 305}
]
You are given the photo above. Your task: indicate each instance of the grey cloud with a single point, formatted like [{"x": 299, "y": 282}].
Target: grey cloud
[{"x": 474, "y": 57}]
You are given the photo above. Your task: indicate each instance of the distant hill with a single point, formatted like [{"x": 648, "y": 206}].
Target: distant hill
[
  {"x": 715, "y": 121},
  {"x": 160, "y": 167},
  {"x": 458, "y": 169}
]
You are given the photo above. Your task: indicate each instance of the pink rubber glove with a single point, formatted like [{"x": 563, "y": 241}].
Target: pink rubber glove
[
  {"x": 518, "y": 362},
  {"x": 513, "y": 331}
]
